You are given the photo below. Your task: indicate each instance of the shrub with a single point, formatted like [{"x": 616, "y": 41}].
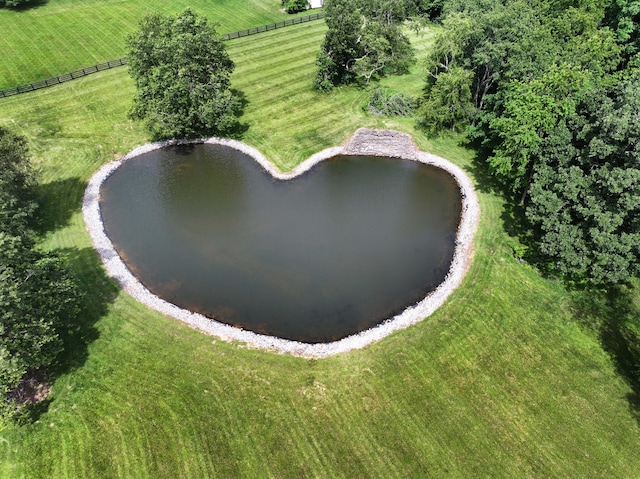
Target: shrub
[{"x": 389, "y": 103}]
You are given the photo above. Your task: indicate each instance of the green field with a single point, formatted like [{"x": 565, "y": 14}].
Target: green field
[
  {"x": 66, "y": 35},
  {"x": 504, "y": 381}
]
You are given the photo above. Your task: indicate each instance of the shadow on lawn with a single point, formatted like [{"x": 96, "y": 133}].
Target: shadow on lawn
[
  {"x": 612, "y": 313},
  {"x": 59, "y": 201},
  {"x": 616, "y": 317},
  {"x": 98, "y": 291}
]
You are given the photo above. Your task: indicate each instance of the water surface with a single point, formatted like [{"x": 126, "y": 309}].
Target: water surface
[{"x": 315, "y": 259}]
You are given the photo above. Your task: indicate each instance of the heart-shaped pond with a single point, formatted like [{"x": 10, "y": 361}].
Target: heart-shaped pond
[{"x": 335, "y": 251}]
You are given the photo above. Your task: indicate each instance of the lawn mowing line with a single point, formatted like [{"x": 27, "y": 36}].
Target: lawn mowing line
[
  {"x": 276, "y": 51},
  {"x": 285, "y": 102},
  {"x": 90, "y": 53},
  {"x": 248, "y": 47},
  {"x": 298, "y": 81},
  {"x": 261, "y": 48},
  {"x": 276, "y": 55},
  {"x": 275, "y": 69},
  {"x": 278, "y": 69},
  {"x": 91, "y": 44}
]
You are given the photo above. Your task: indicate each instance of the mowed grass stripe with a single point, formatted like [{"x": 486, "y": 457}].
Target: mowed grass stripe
[
  {"x": 296, "y": 36},
  {"x": 48, "y": 41}
]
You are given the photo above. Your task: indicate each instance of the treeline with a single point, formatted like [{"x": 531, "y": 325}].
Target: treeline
[
  {"x": 39, "y": 297},
  {"x": 550, "y": 93}
]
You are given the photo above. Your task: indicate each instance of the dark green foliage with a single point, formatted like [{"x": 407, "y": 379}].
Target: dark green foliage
[
  {"x": 13, "y": 3},
  {"x": 340, "y": 46},
  {"x": 390, "y": 103},
  {"x": 517, "y": 41},
  {"x": 536, "y": 81},
  {"x": 529, "y": 112},
  {"x": 364, "y": 41},
  {"x": 623, "y": 16},
  {"x": 447, "y": 104},
  {"x": 182, "y": 74},
  {"x": 17, "y": 182},
  {"x": 295, "y": 6},
  {"x": 38, "y": 295},
  {"x": 585, "y": 193}
]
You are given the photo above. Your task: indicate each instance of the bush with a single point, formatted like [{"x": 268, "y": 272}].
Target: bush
[
  {"x": 295, "y": 6},
  {"x": 389, "y": 103}
]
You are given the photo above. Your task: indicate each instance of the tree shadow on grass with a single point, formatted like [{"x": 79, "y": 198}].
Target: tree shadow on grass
[
  {"x": 99, "y": 291},
  {"x": 615, "y": 315},
  {"x": 59, "y": 200},
  {"x": 240, "y": 128}
]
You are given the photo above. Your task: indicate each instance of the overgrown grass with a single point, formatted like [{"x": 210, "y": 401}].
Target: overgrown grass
[
  {"x": 502, "y": 381},
  {"x": 58, "y": 36}
]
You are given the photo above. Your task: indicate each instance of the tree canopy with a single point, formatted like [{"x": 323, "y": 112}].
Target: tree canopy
[
  {"x": 585, "y": 193},
  {"x": 13, "y": 3},
  {"x": 364, "y": 41},
  {"x": 182, "y": 74},
  {"x": 39, "y": 297},
  {"x": 549, "y": 93}
]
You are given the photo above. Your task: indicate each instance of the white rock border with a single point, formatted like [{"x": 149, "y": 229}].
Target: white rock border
[{"x": 116, "y": 268}]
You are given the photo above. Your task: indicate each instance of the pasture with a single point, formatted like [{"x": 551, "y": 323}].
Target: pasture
[{"x": 505, "y": 380}]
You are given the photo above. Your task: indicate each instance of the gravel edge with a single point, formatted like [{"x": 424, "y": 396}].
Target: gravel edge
[{"x": 461, "y": 262}]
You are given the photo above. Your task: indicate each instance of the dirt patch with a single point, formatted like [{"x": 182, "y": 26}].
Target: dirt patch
[{"x": 33, "y": 389}]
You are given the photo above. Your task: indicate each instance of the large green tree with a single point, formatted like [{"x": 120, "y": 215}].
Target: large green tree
[
  {"x": 364, "y": 41},
  {"x": 182, "y": 74},
  {"x": 585, "y": 191},
  {"x": 513, "y": 41},
  {"x": 39, "y": 297}
]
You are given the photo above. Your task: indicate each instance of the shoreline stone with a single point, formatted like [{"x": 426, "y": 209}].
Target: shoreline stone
[{"x": 387, "y": 143}]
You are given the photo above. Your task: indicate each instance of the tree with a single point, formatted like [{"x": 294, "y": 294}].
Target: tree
[
  {"x": 182, "y": 75},
  {"x": 448, "y": 101},
  {"x": 623, "y": 16},
  {"x": 363, "y": 41},
  {"x": 529, "y": 112},
  {"x": 13, "y": 3},
  {"x": 39, "y": 297},
  {"x": 295, "y": 6},
  {"x": 340, "y": 45},
  {"x": 585, "y": 194},
  {"x": 516, "y": 41},
  {"x": 17, "y": 185}
]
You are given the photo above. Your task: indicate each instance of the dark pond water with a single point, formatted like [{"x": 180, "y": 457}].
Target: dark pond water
[{"x": 326, "y": 255}]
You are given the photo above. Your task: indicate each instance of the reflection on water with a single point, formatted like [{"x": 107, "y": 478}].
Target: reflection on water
[{"x": 331, "y": 253}]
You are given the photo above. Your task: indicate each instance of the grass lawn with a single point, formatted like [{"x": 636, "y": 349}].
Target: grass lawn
[
  {"x": 60, "y": 36},
  {"x": 503, "y": 381}
]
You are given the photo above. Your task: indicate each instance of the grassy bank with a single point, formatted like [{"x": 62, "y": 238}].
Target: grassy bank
[{"x": 502, "y": 381}]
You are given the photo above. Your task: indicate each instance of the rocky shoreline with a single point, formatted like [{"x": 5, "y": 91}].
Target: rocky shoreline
[{"x": 364, "y": 142}]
